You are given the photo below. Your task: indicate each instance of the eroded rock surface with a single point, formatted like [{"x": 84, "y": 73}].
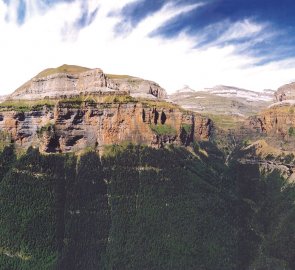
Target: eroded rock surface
[
  {"x": 68, "y": 81},
  {"x": 286, "y": 92},
  {"x": 65, "y": 128},
  {"x": 277, "y": 121}
]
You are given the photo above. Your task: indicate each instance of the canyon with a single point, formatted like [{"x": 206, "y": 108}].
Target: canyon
[
  {"x": 70, "y": 108},
  {"x": 104, "y": 171}
]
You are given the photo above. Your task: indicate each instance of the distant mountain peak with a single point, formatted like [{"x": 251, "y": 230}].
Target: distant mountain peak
[
  {"x": 231, "y": 91},
  {"x": 222, "y": 99},
  {"x": 186, "y": 89}
]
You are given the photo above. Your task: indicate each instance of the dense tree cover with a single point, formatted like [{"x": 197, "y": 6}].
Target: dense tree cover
[
  {"x": 167, "y": 215},
  {"x": 142, "y": 208},
  {"x": 54, "y": 213},
  {"x": 265, "y": 219}
]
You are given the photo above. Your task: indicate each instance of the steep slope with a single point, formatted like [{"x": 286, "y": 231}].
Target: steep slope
[
  {"x": 277, "y": 122},
  {"x": 286, "y": 92},
  {"x": 74, "y": 124},
  {"x": 136, "y": 183},
  {"x": 142, "y": 208},
  {"x": 69, "y": 81},
  {"x": 137, "y": 87},
  {"x": 136, "y": 208},
  {"x": 264, "y": 136}
]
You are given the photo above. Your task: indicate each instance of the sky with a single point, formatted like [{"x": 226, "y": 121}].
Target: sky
[{"x": 245, "y": 43}]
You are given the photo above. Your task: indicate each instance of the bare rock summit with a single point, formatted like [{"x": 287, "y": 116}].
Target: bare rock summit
[{"x": 70, "y": 80}]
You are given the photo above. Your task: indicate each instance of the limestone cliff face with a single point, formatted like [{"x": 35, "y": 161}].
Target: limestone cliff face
[
  {"x": 62, "y": 84},
  {"x": 277, "y": 120},
  {"x": 137, "y": 87},
  {"x": 66, "y": 128},
  {"x": 286, "y": 92},
  {"x": 69, "y": 81}
]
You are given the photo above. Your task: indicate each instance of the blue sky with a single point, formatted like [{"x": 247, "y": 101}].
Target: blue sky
[
  {"x": 246, "y": 43},
  {"x": 277, "y": 17}
]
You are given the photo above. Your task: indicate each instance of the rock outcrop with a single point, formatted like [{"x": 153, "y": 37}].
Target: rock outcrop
[
  {"x": 269, "y": 159},
  {"x": 137, "y": 87},
  {"x": 69, "y": 81},
  {"x": 275, "y": 121},
  {"x": 67, "y": 127},
  {"x": 285, "y": 92}
]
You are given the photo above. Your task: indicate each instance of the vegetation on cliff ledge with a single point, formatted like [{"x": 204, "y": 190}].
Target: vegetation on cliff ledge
[
  {"x": 26, "y": 105},
  {"x": 163, "y": 129}
]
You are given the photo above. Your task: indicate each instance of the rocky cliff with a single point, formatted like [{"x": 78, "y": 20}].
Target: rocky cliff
[
  {"x": 286, "y": 92},
  {"x": 137, "y": 87},
  {"x": 72, "y": 126},
  {"x": 277, "y": 122},
  {"x": 69, "y": 81},
  {"x": 268, "y": 158}
]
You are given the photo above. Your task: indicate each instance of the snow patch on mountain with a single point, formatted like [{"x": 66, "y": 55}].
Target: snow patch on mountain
[{"x": 234, "y": 92}]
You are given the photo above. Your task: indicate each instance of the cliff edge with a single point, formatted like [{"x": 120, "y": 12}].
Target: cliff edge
[{"x": 70, "y": 81}]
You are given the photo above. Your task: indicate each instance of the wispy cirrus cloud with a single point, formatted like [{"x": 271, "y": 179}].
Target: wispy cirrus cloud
[{"x": 200, "y": 43}]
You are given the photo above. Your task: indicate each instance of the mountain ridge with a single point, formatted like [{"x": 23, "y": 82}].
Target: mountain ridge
[
  {"x": 71, "y": 80},
  {"x": 103, "y": 180},
  {"x": 221, "y": 99}
]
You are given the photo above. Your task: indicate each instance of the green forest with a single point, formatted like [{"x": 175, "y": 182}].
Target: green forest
[{"x": 135, "y": 207}]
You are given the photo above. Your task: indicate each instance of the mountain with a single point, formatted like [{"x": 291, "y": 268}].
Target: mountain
[
  {"x": 248, "y": 95},
  {"x": 277, "y": 121},
  {"x": 223, "y": 100},
  {"x": 70, "y": 108},
  {"x": 240, "y": 116},
  {"x": 101, "y": 171},
  {"x": 70, "y": 81}
]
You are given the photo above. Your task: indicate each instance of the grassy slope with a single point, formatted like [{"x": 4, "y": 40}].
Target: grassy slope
[
  {"x": 115, "y": 76},
  {"x": 71, "y": 69},
  {"x": 225, "y": 122}
]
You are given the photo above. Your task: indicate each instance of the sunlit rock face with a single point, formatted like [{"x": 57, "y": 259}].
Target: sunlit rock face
[
  {"x": 286, "y": 93},
  {"x": 69, "y": 81},
  {"x": 67, "y": 128}
]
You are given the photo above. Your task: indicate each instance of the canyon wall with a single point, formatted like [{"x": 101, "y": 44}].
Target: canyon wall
[{"x": 67, "y": 127}]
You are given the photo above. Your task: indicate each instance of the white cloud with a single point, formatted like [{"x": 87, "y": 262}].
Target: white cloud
[
  {"x": 48, "y": 39},
  {"x": 241, "y": 29}
]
